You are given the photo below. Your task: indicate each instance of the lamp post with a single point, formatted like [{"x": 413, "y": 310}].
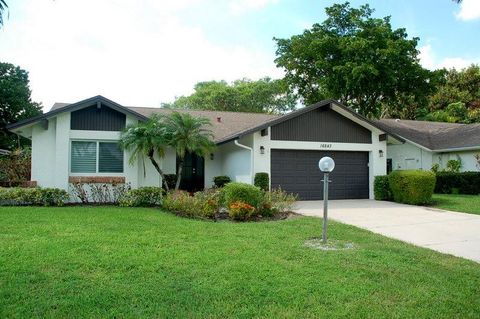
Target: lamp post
[{"x": 326, "y": 165}]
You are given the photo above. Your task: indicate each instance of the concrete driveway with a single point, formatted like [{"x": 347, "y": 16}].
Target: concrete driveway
[{"x": 447, "y": 232}]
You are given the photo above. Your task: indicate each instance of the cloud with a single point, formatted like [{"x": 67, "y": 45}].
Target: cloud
[
  {"x": 469, "y": 10},
  {"x": 429, "y": 60},
  {"x": 134, "y": 52},
  {"x": 241, "y": 6}
]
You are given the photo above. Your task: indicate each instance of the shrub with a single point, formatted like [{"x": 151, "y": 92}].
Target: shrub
[
  {"x": 242, "y": 192},
  {"x": 241, "y": 211},
  {"x": 412, "y": 186},
  {"x": 435, "y": 168},
  {"x": 381, "y": 188},
  {"x": 276, "y": 201},
  {"x": 142, "y": 197},
  {"x": 262, "y": 181},
  {"x": 170, "y": 180},
  {"x": 99, "y": 193},
  {"x": 33, "y": 196},
  {"x": 221, "y": 181},
  {"x": 203, "y": 204},
  {"x": 461, "y": 183},
  {"x": 15, "y": 167},
  {"x": 454, "y": 165}
]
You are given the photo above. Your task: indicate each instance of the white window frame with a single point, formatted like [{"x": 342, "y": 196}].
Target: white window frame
[{"x": 97, "y": 159}]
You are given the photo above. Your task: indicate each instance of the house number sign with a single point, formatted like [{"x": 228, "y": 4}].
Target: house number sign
[{"x": 325, "y": 145}]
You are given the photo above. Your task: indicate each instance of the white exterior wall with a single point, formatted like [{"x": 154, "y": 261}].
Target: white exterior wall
[
  {"x": 43, "y": 154},
  {"x": 408, "y": 156},
  {"x": 236, "y": 161},
  {"x": 469, "y": 163}
]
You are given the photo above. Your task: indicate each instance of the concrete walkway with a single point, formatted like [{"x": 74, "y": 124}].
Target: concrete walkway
[{"x": 447, "y": 232}]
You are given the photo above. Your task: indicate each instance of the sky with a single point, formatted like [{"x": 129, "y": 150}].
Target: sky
[{"x": 145, "y": 52}]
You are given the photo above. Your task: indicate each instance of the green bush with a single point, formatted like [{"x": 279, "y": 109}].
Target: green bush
[
  {"x": 276, "y": 201},
  {"x": 412, "y": 186},
  {"x": 33, "y": 196},
  {"x": 454, "y": 165},
  {"x": 142, "y": 197},
  {"x": 460, "y": 183},
  {"x": 242, "y": 192},
  {"x": 203, "y": 204},
  {"x": 262, "y": 181},
  {"x": 435, "y": 168},
  {"x": 381, "y": 188},
  {"x": 221, "y": 181}
]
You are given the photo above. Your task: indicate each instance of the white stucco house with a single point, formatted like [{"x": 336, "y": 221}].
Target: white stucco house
[
  {"x": 428, "y": 143},
  {"x": 79, "y": 142}
]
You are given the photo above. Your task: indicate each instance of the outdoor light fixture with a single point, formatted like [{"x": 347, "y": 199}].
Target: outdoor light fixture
[
  {"x": 262, "y": 150},
  {"x": 326, "y": 165},
  {"x": 380, "y": 153},
  {"x": 212, "y": 156}
]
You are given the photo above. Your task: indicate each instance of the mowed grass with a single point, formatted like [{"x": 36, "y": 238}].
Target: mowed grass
[
  {"x": 459, "y": 203},
  {"x": 119, "y": 262}
]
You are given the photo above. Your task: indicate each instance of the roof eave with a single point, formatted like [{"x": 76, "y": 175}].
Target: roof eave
[{"x": 74, "y": 107}]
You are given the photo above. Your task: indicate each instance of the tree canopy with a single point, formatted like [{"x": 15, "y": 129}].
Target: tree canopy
[
  {"x": 261, "y": 96},
  {"x": 3, "y": 8},
  {"x": 15, "y": 103},
  {"x": 357, "y": 59}
]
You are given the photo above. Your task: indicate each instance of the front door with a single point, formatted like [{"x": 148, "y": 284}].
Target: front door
[{"x": 193, "y": 173}]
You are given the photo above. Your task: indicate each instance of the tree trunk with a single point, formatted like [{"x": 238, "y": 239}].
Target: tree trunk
[
  {"x": 179, "y": 174},
  {"x": 157, "y": 167}
]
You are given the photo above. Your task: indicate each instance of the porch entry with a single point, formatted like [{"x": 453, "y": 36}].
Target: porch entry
[{"x": 193, "y": 174}]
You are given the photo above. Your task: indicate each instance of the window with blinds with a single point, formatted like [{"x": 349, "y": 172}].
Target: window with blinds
[
  {"x": 110, "y": 158},
  {"x": 96, "y": 157},
  {"x": 84, "y": 157}
]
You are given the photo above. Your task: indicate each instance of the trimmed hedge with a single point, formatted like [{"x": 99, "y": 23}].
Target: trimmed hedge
[
  {"x": 381, "y": 188},
  {"x": 33, "y": 196},
  {"x": 142, "y": 197},
  {"x": 262, "y": 181},
  {"x": 242, "y": 192},
  {"x": 458, "y": 183},
  {"x": 221, "y": 181},
  {"x": 412, "y": 186}
]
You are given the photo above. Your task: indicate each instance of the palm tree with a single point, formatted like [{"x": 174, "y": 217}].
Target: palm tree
[
  {"x": 3, "y": 7},
  {"x": 188, "y": 134},
  {"x": 144, "y": 140}
]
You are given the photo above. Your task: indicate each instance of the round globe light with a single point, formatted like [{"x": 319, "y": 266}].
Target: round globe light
[{"x": 326, "y": 164}]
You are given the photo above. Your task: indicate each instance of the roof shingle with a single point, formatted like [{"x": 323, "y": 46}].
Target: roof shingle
[{"x": 435, "y": 135}]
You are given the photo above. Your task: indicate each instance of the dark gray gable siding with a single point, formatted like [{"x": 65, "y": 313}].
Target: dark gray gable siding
[
  {"x": 97, "y": 119},
  {"x": 321, "y": 125}
]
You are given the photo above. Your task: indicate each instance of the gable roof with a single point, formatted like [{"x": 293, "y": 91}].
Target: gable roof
[
  {"x": 226, "y": 126},
  {"x": 435, "y": 136}
]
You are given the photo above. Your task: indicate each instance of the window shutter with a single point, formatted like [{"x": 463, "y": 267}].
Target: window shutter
[
  {"x": 110, "y": 158},
  {"x": 84, "y": 156}
]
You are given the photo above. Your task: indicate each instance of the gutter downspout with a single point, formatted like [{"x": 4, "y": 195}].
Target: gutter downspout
[{"x": 251, "y": 158}]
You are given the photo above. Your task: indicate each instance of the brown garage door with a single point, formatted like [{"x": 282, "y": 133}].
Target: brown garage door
[{"x": 297, "y": 172}]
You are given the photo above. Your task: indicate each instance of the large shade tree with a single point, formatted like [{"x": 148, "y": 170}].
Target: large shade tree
[
  {"x": 15, "y": 103},
  {"x": 188, "y": 134},
  {"x": 262, "y": 96},
  {"x": 146, "y": 140},
  {"x": 357, "y": 59}
]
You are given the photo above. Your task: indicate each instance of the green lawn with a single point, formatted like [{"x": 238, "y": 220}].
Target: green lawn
[
  {"x": 121, "y": 262},
  {"x": 460, "y": 203}
]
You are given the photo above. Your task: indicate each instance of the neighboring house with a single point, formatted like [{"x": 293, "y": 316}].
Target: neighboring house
[
  {"x": 427, "y": 143},
  {"x": 79, "y": 142}
]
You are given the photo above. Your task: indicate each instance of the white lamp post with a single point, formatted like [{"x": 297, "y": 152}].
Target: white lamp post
[{"x": 326, "y": 165}]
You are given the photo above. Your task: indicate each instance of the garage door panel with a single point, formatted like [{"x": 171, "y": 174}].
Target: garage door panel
[{"x": 296, "y": 171}]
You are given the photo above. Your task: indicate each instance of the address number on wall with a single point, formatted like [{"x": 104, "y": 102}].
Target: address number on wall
[{"x": 326, "y": 145}]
